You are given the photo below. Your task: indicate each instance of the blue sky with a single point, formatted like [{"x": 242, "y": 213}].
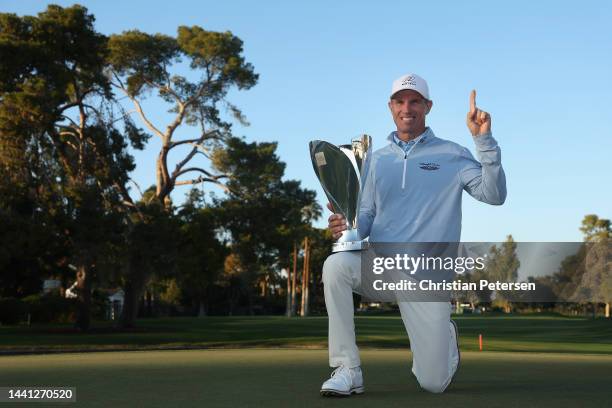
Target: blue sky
[{"x": 542, "y": 69}]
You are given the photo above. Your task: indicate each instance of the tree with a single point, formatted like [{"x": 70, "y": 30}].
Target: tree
[
  {"x": 29, "y": 251},
  {"x": 320, "y": 243},
  {"x": 151, "y": 250},
  {"x": 595, "y": 282},
  {"x": 142, "y": 62},
  {"x": 479, "y": 296},
  {"x": 56, "y": 114},
  {"x": 232, "y": 279},
  {"x": 201, "y": 253},
  {"x": 585, "y": 277},
  {"x": 566, "y": 281},
  {"x": 595, "y": 229},
  {"x": 263, "y": 214},
  {"x": 502, "y": 265}
]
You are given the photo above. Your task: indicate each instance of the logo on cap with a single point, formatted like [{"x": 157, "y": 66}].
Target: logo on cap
[{"x": 409, "y": 81}]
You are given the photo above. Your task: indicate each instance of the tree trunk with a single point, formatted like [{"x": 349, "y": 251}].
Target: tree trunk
[
  {"x": 234, "y": 296},
  {"x": 83, "y": 315},
  {"x": 288, "y": 307},
  {"x": 293, "y": 281},
  {"x": 134, "y": 289},
  {"x": 202, "y": 312},
  {"x": 164, "y": 186},
  {"x": 607, "y": 312},
  {"x": 250, "y": 301},
  {"x": 130, "y": 306},
  {"x": 305, "y": 278},
  {"x": 148, "y": 303}
]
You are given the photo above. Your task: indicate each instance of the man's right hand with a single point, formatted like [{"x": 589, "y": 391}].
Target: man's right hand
[{"x": 336, "y": 223}]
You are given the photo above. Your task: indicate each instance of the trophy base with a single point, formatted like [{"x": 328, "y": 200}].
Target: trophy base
[
  {"x": 349, "y": 241},
  {"x": 349, "y": 246}
]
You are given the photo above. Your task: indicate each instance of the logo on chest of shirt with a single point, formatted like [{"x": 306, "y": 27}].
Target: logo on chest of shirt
[{"x": 429, "y": 166}]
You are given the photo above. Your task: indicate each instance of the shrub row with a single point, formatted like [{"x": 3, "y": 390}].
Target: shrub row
[{"x": 40, "y": 308}]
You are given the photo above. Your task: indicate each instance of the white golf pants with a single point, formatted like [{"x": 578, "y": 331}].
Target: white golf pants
[{"x": 433, "y": 345}]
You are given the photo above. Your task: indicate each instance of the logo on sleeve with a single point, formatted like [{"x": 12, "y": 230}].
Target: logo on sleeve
[{"x": 429, "y": 166}]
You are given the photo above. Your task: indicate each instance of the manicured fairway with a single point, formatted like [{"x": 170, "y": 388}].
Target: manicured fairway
[
  {"x": 529, "y": 333},
  {"x": 282, "y": 378}
]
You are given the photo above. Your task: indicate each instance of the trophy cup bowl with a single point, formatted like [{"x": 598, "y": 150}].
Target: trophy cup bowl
[{"x": 340, "y": 170}]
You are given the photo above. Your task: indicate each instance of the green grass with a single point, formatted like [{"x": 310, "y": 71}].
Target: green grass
[
  {"x": 569, "y": 362},
  {"x": 281, "y": 378},
  {"x": 501, "y": 333}
]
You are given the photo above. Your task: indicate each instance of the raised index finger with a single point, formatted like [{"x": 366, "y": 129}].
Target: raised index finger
[{"x": 473, "y": 101}]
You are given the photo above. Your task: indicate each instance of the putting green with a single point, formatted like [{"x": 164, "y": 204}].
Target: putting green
[{"x": 282, "y": 377}]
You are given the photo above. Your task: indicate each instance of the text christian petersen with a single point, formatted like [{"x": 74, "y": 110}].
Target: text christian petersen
[{"x": 460, "y": 265}]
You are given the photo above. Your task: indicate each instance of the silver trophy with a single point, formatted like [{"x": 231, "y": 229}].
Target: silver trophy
[{"x": 340, "y": 170}]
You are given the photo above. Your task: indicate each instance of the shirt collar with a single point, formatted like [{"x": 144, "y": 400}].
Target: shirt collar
[{"x": 420, "y": 138}]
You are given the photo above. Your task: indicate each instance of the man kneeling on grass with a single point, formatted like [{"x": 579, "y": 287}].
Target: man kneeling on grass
[{"x": 405, "y": 201}]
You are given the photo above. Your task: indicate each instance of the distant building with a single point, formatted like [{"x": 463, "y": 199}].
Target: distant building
[
  {"x": 115, "y": 304},
  {"x": 49, "y": 285}
]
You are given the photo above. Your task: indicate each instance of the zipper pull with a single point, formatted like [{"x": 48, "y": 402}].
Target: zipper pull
[{"x": 404, "y": 171}]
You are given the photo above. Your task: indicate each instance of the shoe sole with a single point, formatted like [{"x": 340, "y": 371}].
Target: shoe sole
[{"x": 338, "y": 393}]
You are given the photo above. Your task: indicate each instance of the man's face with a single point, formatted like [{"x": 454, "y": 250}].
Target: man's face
[{"x": 409, "y": 109}]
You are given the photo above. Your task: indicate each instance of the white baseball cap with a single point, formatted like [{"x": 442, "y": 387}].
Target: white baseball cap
[{"x": 413, "y": 82}]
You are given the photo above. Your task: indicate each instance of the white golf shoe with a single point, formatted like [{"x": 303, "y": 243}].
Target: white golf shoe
[{"x": 344, "y": 381}]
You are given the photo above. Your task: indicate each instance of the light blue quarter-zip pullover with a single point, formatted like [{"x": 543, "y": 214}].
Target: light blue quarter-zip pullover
[{"x": 414, "y": 195}]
